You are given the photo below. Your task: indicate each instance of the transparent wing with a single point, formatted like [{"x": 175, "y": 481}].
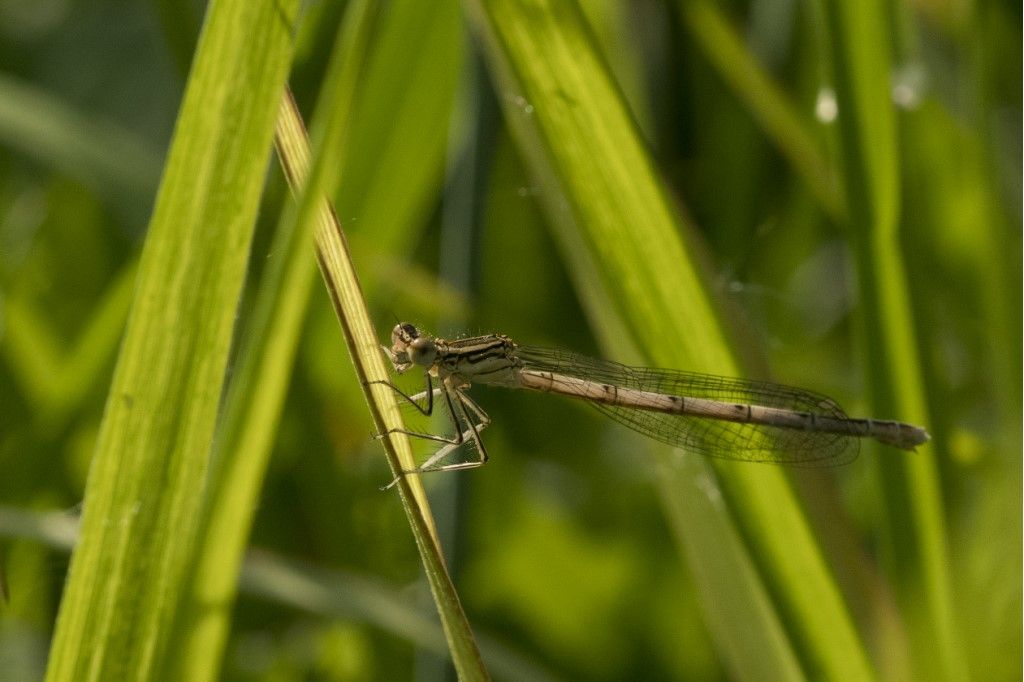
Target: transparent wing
[{"x": 710, "y": 437}]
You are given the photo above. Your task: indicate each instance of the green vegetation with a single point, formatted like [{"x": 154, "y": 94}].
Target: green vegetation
[{"x": 825, "y": 194}]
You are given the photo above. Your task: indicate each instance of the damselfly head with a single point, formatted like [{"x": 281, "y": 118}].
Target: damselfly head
[
  {"x": 409, "y": 347},
  {"x": 404, "y": 333}
]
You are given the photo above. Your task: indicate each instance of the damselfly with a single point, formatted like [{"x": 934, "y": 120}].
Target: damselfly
[{"x": 751, "y": 421}]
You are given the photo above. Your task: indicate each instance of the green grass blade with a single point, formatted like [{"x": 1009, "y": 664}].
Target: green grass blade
[
  {"x": 260, "y": 382},
  {"x": 738, "y": 610},
  {"x": 328, "y": 593},
  {"x": 59, "y": 378},
  {"x": 402, "y": 122},
  {"x": 342, "y": 594},
  {"x": 31, "y": 350},
  {"x": 954, "y": 214},
  {"x": 145, "y": 484},
  {"x": 580, "y": 140},
  {"x": 99, "y": 154},
  {"x": 765, "y": 101},
  {"x": 917, "y": 556}
]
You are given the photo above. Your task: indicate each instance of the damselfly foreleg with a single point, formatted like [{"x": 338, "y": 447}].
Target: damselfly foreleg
[
  {"x": 460, "y": 407},
  {"x": 414, "y": 400}
]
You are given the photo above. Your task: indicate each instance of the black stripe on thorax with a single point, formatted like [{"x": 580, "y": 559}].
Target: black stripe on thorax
[{"x": 474, "y": 351}]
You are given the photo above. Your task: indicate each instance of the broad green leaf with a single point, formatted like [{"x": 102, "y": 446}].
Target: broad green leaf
[
  {"x": 146, "y": 481},
  {"x": 617, "y": 227},
  {"x": 260, "y": 383}
]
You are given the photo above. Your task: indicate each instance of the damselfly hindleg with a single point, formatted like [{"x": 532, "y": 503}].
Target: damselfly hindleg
[{"x": 460, "y": 406}]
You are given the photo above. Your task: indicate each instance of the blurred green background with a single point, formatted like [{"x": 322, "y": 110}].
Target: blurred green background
[{"x": 561, "y": 552}]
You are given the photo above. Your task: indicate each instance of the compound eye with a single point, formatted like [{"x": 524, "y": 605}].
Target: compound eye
[{"x": 404, "y": 333}]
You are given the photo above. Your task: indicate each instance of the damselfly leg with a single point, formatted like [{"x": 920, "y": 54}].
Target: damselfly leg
[{"x": 459, "y": 408}]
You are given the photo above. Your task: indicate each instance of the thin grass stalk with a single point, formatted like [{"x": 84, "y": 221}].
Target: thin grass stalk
[{"x": 360, "y": 336}]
